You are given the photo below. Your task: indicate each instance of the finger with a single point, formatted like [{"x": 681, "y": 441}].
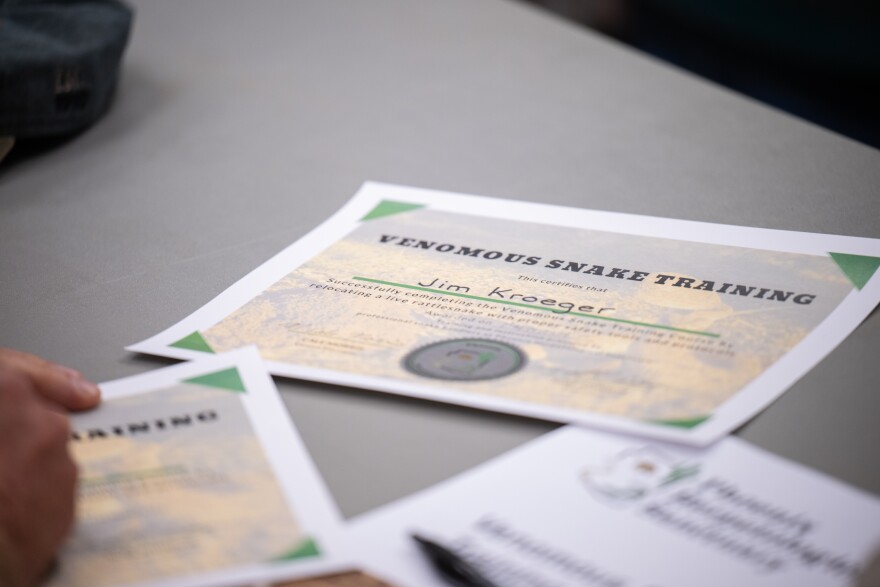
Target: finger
[{"x": 58, "y": 384}]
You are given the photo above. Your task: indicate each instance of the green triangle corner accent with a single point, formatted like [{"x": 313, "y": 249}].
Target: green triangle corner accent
[
  {"x": 226, "y": 379},
  {"x": 389, "y": 208},
  {"x": 687, "y": 423},
  {"x": 858, "y": 268},
  {"x": 307, "y": 547},
  {"x": 193, "y": 342}
]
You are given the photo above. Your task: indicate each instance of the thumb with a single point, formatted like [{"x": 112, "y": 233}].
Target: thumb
[{"x": 55, "y": 383}]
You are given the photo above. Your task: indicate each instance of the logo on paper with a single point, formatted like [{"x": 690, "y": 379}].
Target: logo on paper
[
  {"x": 465, "y": 359},
  {"x": 634, "y": 473}
]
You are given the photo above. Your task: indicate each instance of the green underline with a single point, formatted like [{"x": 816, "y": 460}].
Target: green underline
[
  {"x": 532, "y": 307},
  {"x": 131, "y": 475}
]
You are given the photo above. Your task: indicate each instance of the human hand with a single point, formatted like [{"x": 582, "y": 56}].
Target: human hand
[
  {"x": 60, "y": 385},
  {"x": 37, "y": 474}
]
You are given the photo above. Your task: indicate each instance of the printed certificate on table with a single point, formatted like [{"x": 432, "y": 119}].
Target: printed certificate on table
[
  {"x": 193, "y": 475},
  {"x": 679, "y": 330},
  {"x": 579, "y": 508}
]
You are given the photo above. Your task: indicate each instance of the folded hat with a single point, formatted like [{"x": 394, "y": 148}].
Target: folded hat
[{"x": 59, "y": 63}]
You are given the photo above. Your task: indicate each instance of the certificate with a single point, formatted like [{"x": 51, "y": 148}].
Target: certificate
[
  {"x": 579, "y": 508},
  {"x": 193, "y": 475},
  {"x": 678, "y": 330}
]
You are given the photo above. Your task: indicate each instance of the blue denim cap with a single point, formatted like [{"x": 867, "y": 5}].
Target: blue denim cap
[{"x": 59, "y": 64}]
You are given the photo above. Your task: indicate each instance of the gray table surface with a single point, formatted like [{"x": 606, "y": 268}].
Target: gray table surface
[{"x": 239, "y": 126}]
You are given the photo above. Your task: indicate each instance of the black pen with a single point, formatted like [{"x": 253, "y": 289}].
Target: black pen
[{"x": 451, "y": 566}]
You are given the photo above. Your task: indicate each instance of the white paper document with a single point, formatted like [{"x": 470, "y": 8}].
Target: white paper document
[
  {"x": 673, "y": 329},
  {"x": 579, "y": 508},
  {"x": 193, "y": 475}
]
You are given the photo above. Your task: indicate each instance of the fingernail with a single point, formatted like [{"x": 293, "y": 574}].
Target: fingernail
[
  {"x": 73, "y": 374},
  {"x": 86, "y": 388},
  {"x": 81, "y": 385}
]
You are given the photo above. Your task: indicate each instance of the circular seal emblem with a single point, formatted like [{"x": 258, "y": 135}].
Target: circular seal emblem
[{"x": 465, "y": 359}]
